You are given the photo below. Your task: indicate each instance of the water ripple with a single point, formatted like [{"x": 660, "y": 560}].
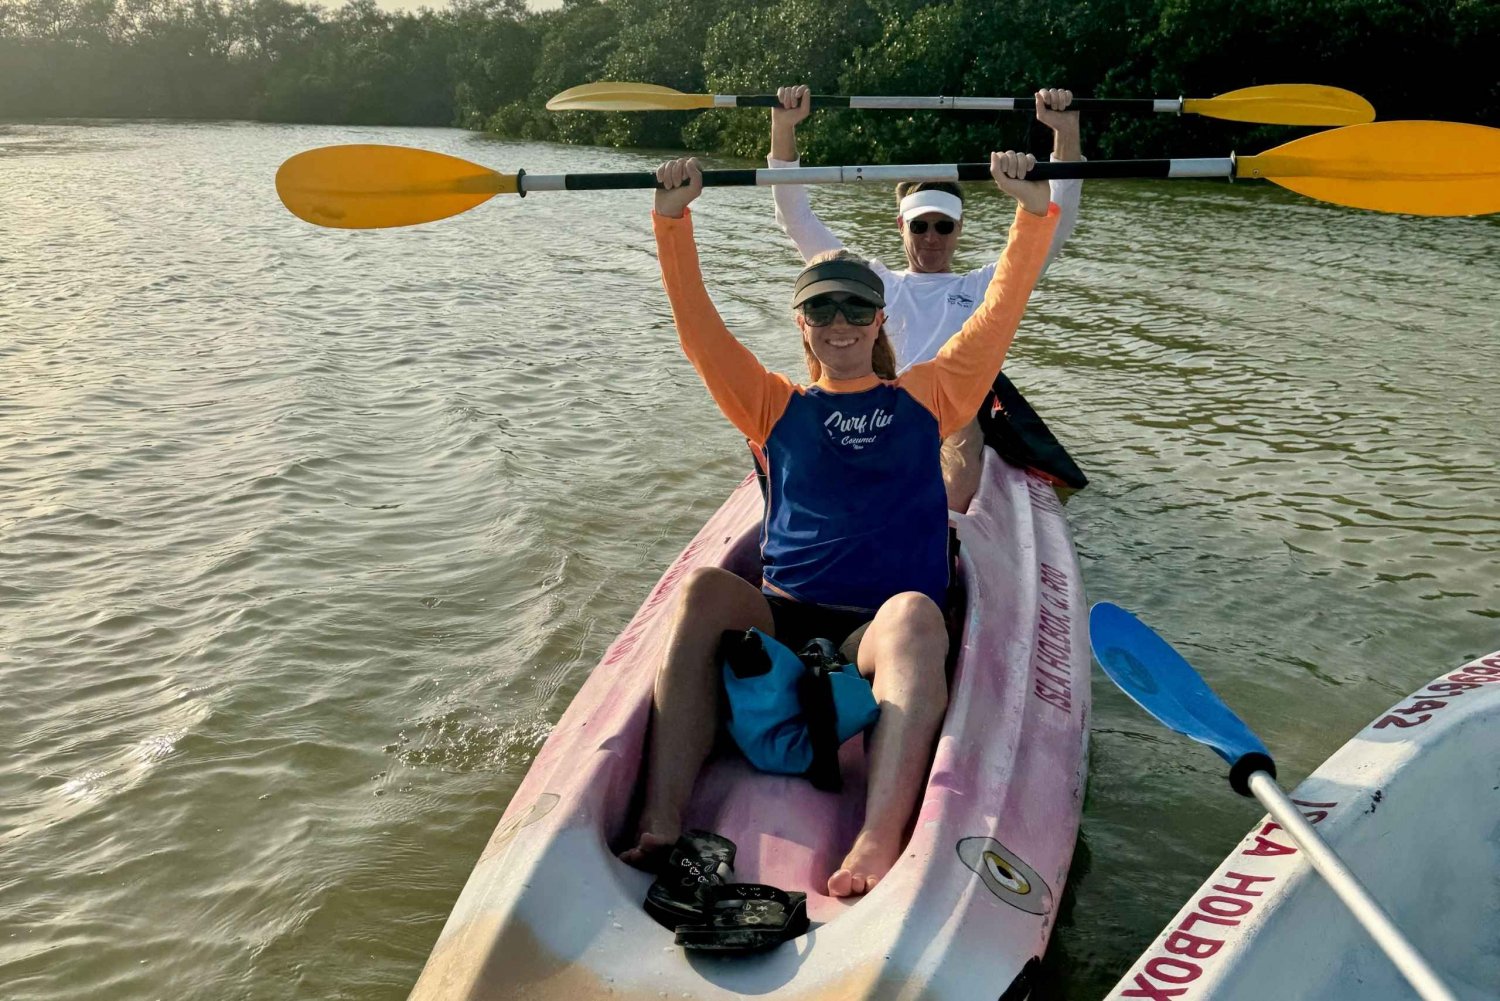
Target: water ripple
[{"x": 307, "y": 537}]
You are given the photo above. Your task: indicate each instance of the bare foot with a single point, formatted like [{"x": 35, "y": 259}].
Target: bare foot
[
  {"x": 649, "y": 851},
  {"x": 867, "y": 862}
]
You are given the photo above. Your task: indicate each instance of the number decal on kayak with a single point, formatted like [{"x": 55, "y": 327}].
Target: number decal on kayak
[
  {"x": 1006, "y": 875},
  {"x": 1475, "y": 676}
]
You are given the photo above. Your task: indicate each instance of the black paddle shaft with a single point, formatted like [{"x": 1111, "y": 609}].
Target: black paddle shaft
[
  {"x": 961, "y": 172},
  {"x": 1144, "y": 104}
]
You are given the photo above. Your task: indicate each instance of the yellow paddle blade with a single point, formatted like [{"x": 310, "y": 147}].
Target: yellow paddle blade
[
  {"x": 369, "y": 187},
  {"x": 613, "y": 96},
  {"x": 1285, "y": 104},
  {"x": 1421, "y": 168}
]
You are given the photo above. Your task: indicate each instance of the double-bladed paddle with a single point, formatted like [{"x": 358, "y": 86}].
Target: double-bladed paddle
[
  {"x": 1270, "y": 104},
  {"x": 1421, "y": 168},
  {"x": 1161, "y": 682}
]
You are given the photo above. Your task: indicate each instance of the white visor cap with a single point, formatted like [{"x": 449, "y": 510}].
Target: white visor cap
[{"x": 920, "y": 203}]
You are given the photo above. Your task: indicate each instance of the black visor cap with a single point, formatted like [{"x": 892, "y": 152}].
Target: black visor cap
[{"x": 849, "y": 277}]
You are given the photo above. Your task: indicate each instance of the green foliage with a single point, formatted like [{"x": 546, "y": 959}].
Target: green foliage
[
  {"x": 756, "y": 49},
  {"x": 492, "y": 64},
  {"x": 493, "y": 55}
]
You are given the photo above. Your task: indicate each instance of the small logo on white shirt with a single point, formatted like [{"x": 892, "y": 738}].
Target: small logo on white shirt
[{"x": 959, "y": 299}]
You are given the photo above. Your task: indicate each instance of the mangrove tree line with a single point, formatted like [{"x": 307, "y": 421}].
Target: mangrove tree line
[{"x": 491, "y": 64}]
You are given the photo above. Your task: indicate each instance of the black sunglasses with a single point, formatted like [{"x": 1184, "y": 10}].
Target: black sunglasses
[
  {"x": 919, "y": 226},
  {"x": 819, "y": 311}
]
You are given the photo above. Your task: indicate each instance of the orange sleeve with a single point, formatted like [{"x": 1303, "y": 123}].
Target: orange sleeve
[
  {"x": 954, "y": 384},
  {"x": 752, "y": 397}
]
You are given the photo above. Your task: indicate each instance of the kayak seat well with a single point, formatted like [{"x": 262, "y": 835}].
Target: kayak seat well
[{"x": 788, "y": 834}]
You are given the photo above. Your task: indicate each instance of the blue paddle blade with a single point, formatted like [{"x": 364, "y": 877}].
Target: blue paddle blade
[{"x": 1161, "y": 682}]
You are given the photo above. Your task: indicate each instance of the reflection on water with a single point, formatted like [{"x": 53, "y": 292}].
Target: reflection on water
[{"x": 307, "y": 536}]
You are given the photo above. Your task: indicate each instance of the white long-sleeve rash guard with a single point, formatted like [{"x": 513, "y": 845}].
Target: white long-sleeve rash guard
[{"x": 921, "y": 310}]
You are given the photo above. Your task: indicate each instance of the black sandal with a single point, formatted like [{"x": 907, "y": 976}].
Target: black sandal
[
  {"x": 745, "y": 917},
  {"x": 699, "y": 861}
]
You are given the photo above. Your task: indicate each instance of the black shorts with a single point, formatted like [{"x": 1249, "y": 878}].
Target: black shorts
[{"x": 797, "y": 622}]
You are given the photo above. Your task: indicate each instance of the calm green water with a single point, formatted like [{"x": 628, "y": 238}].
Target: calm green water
[{"x": 306, "y": 537}]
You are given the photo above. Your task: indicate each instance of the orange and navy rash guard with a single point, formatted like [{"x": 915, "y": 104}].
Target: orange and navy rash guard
[{"x": 856, "y": 511}]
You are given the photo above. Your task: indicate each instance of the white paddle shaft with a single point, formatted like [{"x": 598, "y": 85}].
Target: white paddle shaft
[{"x": 1412, "y": 964}]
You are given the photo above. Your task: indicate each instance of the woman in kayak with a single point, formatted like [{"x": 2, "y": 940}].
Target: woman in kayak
[{"x": 856, "y": 524}]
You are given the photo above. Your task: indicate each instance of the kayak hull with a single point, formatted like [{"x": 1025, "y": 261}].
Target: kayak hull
[
  {"x": 1412, "y": 805},
  {"x": 550, "y": 913}
]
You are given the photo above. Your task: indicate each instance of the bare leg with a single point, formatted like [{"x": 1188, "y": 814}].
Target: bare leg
[
  {"x": 963, "y": 463},
  {"x": 685, "y": 702},
  {"x": 905, "y": 648}
]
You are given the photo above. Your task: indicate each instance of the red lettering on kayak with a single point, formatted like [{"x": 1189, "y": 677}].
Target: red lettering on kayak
[
  {"x": 1196, "y": 918},
  {"x": 1052, "y": 659},
  {"x": 1042, "y": 494},
  {"x": 1452, "y": 688},
  {"x": 1245, "y": 882},
  {"x": 1214, "y": 909},
  {"x": 1189, "y": 971},
  {"x": 1265, "y": 847},
  {"x": 623, "y": 645},
  {"x": 664, "y": 589},
  {"x": 1234, "y": 908},
  {"x": 1052, "y": 662},
  {"x": 1054, "y": 578},
  {"x": 1053, "y": 652},
  {"x": 1051, "y": 624},
  {"x": 1063, "y": 698},
  {"x": 1314, "y": 812},
  {"x": 1180, "y": 943},
  {"x": 1472, "y": 675},
  {"x": 1065, "y": 704},
  {"x": 1476, "y": 679},
  {"x": 1057, "y": 680},
  {"x": 668, "y": 582},
  {"x": 1401, "y": 722},
  {"x": 1145, "y": 989},
  {"x": 1058, "y": 655}
]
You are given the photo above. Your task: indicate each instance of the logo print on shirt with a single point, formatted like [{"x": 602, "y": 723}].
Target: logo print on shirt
[
  {"x": 959, "y": 299},
  {"x": 858, "y": 431}
]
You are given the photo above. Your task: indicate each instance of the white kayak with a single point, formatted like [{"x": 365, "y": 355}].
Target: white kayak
[
  {"x": 549, "y": 913},
  {"x": 1412, "y": 806}
]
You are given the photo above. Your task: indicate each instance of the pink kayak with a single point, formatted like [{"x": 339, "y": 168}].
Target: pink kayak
[{"x": 550, "y": 913}]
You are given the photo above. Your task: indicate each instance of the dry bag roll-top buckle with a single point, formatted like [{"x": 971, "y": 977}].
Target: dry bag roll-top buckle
[{"x": 815, "y": 692}]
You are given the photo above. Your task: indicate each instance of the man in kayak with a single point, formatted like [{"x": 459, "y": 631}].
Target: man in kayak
[
  {"x": 856, "y": 525},
  {"x": 926, "y": 303}
]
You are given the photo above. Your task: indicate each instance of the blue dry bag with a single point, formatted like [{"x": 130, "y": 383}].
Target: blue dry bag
[{"x": 790, "y": 712}]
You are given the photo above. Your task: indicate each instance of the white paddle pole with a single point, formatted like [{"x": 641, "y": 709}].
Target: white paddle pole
[{"x": 1351, "y": 891}]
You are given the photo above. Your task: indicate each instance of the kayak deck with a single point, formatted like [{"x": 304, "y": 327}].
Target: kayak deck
[
  {"x": 549, "y": 912},
  {"x": 1412, "y": 805}
]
